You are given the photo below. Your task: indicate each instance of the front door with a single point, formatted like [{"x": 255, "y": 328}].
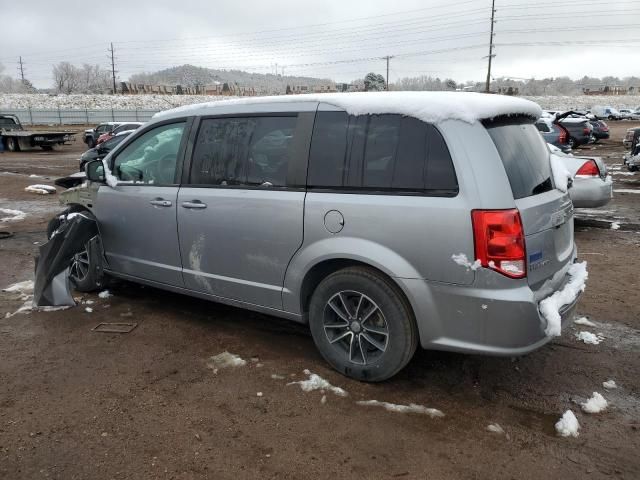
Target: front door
[
  {"x": 240, "y": 218},
  {"x": 137, "y": 218}
]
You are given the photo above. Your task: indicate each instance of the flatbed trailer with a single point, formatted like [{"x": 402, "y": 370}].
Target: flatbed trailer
[{"x": 16, "y": 138}]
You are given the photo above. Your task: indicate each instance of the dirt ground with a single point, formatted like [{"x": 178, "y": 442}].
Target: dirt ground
[{"x": 78, "y": 404}]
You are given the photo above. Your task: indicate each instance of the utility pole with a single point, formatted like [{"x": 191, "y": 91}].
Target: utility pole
[
  {"x": 113, "y": 68},
  {"x": 487, "y": 87},
  {"x": 387, "y": 58},
  {"x": 21, "y": 68}
]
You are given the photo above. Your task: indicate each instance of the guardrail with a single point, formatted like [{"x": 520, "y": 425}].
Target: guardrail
[{"x": 78, "y": 116}]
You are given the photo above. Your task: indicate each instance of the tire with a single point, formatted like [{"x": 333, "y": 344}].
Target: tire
[
  {"x": 46, "y": 148},
  {"x": 362, "y": 324},
  {"x": 90, "y": 142},
  {"x": 572, "y": 142},
  {"x": 13, "y": 145}
]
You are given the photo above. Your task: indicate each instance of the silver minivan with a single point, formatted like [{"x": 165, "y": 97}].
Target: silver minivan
[{"x": 383, "y": 220}]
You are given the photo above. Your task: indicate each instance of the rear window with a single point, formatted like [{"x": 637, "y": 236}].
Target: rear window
[
  {"x": 524, "y": 155},
  {"x": 379, "y": 153}
]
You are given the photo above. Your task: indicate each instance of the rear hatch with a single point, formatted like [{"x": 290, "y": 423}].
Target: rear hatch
[{"x": 546, "y": 212}]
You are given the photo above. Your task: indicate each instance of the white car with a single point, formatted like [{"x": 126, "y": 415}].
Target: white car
[
  {"x": 628, "y": 114},
  {"x": 591, "y": 186}
]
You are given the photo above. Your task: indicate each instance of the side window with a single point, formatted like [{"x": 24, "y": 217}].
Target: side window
[
  {"x": 379, "y": 152},
  {"x": 251, "y": 151},
  {"x": 152, "y": 157},
  {"x": 328, "y": 155}
]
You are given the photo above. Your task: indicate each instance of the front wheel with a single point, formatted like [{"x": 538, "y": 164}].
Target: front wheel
[
  {"x": 13, "y": 145},
  {"x": 82, "y": 273},
  {"x": 362, "y": 324}
]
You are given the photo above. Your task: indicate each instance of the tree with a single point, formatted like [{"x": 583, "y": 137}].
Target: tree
[
  {"x": 450, "y": 84},
  {"x": 374, "y": 82},
  {"x": 66, "y": 78}
]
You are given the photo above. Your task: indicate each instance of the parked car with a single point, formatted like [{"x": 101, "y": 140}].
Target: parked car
[
  {"x": 591, "y": 186},
  {"x": 90, "y": 136},
  {"x": 600, "y": 130},
  {"x": 632, "y": 158},
  {"x": 628, "y": 114},
  {"x": 578, "y": 128},
  {"x": 605, "y": 112},
  {"x": 100, "y": 151},
  {"x": 432, "y": 220},
  {"x": 120, "y": 128},
  {"x": 553, "y": 134},
  {"x": 631, "y": 138}
]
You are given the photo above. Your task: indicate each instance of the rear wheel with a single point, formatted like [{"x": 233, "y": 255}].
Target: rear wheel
[
  {"x": 13, "y": 145},
  {"x": 91, "y": 142},
  {"x": 362, "y": 325},
  {"x": 572, "y": 142}
]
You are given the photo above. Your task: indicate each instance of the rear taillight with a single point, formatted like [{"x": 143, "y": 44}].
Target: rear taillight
[
  {"x": 499, "y": 241},
  {"x": 586, "y": 131},
  {"x": 562, "y": 138},
  {"x": 588, "y": 169}
]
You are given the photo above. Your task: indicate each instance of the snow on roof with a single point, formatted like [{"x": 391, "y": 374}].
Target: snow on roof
[{"x": 431, "y": 107}]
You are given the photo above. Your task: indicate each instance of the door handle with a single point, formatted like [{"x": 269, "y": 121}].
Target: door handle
[
  {"x": 197, "y": 204},
  {"x": 159, "y": 202}
]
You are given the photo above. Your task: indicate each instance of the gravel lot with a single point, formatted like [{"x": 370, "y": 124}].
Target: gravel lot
[{"x": 75, "y": 403}]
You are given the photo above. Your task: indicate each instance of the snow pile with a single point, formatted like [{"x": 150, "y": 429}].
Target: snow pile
[
  {"x": 615, "y": 226},
  {"x": 550, "y": 306},
  {"x": 225, "y": 360},
  {"x": 88, "y": 310},
  {"x": 609, "y": 384},
  {"x": 316, "y": 382},
  {"x": 430, "y": 107},
  {"x": 595, "y": 404},
  {"x": 589, "y": 338},
  {"x": 585, "y": 322},
  {"x": 40, "y": 189},
  {"x": 105, "y": 294},
  {"x": 411, "y": 408},
  {"x": 12, "y": 215},
  {"x": 561, "y": 175},
  {"x": 568, "y": 425},
  {"x": 495, "y": 428},
  {"x": 25, "y": 292},
  {"x": 462, "y": 260}
]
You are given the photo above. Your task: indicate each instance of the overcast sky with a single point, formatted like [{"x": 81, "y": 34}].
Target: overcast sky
[{"x": 327, "y": 38}]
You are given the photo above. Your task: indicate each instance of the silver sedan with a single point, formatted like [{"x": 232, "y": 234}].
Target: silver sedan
[{"x": 591, "y": 187}]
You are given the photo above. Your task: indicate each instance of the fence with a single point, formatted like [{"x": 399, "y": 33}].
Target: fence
[{"x": 78, "y": 116}]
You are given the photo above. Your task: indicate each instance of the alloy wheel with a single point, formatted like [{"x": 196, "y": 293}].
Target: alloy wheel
[
  {"x": 355, "y": 325},
  {"x": 80, "y": 266}
]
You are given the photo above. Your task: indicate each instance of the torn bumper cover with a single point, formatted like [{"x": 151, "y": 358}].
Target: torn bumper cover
[{"x": 52, "y": 285}]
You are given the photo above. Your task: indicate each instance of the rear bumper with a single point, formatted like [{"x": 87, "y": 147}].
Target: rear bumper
[
  {"x": 501, "y": 322},
  {"x": 591, "y": 192}
]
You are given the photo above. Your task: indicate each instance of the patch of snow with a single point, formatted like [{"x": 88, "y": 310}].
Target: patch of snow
[
  {"x": 462, "y": 260},
  {"x": 622, "y": 173},
  {"x": 609, "y": 384},
  {"x": 259, "y": 394},
  {"x": 411, "y": 408},
  {"x": 484, "y": 307},
  {"x": 105, "y": 294},
  {"x": 275, "y": 376},
  {"x": 615, "y": 226},
  {"x": 550, "y": 306},
  {"x": 40, "y": 189},
  {"x": 568, "y": 425},
  {"x": 323, "y": 400},
  {"x": 430, "y": 107},
  {"x": 596, "y": 404},
  {"x": 25, "y": 287},
  {"x": 585, "y": 322},
  {"x": 589, "y": 338},
  {"x": 625, "y": 190},
  {"x": 561, "y": 175},
  {"x": 224, "y": 360},
  {"x": 13, "y": 215},
  {"x": 495, "y": 428},
  {"x": 316, "y": 382}
]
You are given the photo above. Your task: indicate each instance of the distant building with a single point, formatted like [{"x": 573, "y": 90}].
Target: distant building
[
  {"x": 322, "y": 88},
  {"x": 603, "y": 89},
  {"x": 224, "y": 89}
]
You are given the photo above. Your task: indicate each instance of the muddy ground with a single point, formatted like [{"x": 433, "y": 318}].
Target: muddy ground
[{"x": 75, "y": 403}]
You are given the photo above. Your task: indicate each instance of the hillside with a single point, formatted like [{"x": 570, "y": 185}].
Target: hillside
[{"x": 189, "y": 76}]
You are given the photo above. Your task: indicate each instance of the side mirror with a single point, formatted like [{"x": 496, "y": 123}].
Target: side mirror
[{"x": 95, "y": 171}]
